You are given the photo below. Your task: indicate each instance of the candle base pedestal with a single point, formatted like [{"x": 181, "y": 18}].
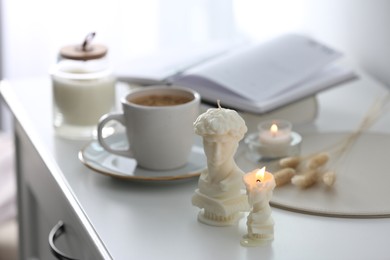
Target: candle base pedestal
[
  {"x": 260, "y": 152},
  {"x": 253, "y": 240},
  {"x": 260, "y": 228},
  {"x": 212, "y": 219},
  {"x": 220, "y": 212}
]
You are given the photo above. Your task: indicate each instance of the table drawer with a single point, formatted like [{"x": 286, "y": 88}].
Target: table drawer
[{"x": 42, "y": 205}]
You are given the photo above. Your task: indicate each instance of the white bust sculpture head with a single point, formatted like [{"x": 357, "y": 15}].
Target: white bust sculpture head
[
  {"x": 221, "y": 129},
  {"x": 221, "y": 122}
]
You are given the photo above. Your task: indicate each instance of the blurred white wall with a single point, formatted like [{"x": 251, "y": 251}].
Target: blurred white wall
[
  {"x": 360, "y": 28},
  {"x": 34, "y": 31}
]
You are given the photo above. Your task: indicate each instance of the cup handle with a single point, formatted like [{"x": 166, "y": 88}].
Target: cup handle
[{"x": 102, "y": 122}]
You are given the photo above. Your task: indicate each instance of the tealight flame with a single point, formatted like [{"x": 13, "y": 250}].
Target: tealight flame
[
  {"x": 260, "y": 174},
  {"x": 274, "y": 129}
]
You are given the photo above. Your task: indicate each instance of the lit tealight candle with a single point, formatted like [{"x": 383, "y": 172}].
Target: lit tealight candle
[
  {"x": 259, "y": 184},
  {"x": 275, "y": 137},
  {"x": 275, "y": 132},
  {"x": 273, "y": 140}
]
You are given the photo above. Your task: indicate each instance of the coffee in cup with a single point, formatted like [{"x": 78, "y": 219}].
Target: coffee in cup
[
  {"x": 159, "y": 126},
  {"x": 161, "y": 100}
]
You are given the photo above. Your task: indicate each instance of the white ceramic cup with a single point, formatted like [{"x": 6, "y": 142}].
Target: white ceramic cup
[{"x": 159, "y": 137}]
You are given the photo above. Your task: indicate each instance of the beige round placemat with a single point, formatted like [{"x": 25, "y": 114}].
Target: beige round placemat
[{"x": 362, "y": 187}]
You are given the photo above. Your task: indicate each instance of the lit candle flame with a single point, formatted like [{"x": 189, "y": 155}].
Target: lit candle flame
[
  {"x": 260, "y": 175},
  {"x": 274, "y": 129}
]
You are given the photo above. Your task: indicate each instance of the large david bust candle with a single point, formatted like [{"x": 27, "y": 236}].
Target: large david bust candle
[
  {"x": 259, "y": 185},
  {"x": 220, "y": 195}
]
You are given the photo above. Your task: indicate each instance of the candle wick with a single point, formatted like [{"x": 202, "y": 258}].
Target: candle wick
[
  {"x": 258, "y": 180},
  {"x": 219, "y": 104},
  {"x": 85, "y": 46}
]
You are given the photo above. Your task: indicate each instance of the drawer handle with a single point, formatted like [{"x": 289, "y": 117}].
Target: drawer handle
[{"x": 55, "y": 232}]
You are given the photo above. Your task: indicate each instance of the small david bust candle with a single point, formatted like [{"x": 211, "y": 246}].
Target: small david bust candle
[
  {"x": 259, "y": 185},
  {"x": 220, "y": 194}
]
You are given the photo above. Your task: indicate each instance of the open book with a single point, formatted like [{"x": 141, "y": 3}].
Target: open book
[{"x": 261, "y": 77}]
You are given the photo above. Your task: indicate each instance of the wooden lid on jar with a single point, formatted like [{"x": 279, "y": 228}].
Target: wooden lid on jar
[{"x": 84, "y": 51}]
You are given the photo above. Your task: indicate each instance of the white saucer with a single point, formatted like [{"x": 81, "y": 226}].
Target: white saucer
[{"x": 103, "y": 162}]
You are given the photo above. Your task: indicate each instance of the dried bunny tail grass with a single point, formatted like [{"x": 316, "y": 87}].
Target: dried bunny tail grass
[
  {"x": 289, "y": 162},
  {"x": 310, "y": 164},
  {"x": 284, "y": 176},
  {"x": 305, "y": 180},
  {"x": 329, "y": 178},
  {"x": 318, "y": 160}
]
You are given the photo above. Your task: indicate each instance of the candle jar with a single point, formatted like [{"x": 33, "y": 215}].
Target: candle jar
[
  {"x": 275, "y": 139},
  {"x": 83, "y": 90}
]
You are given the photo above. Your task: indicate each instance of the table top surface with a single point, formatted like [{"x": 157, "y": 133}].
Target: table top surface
[{"x": 133, "y": 220}]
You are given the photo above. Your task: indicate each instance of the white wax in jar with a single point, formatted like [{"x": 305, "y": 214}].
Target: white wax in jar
[{"x": 83, "y": 98}]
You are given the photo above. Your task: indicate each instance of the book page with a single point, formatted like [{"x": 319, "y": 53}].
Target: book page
[
  {"x": 163, "y": 64},
  {"x": 330, "y": 76},
  {"x": 265, "y": 70}
]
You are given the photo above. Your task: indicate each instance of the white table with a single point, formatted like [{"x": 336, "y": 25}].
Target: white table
[{"x": 109, "y": 218}]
